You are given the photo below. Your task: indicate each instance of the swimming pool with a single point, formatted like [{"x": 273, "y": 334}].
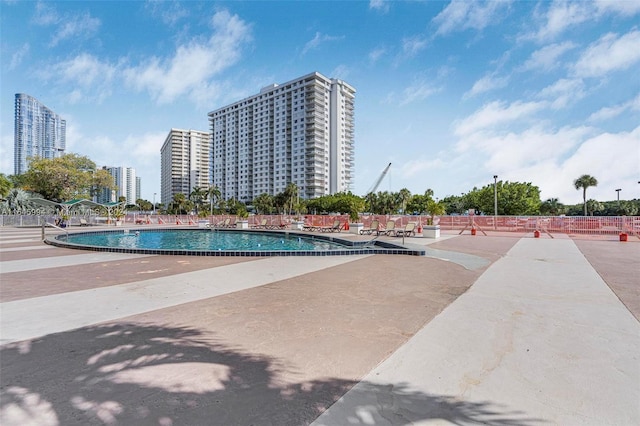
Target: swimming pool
[{"x": 205, "y": 242}]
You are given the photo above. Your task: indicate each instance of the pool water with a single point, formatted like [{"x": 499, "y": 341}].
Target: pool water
[{"x": 194, "y": 240}]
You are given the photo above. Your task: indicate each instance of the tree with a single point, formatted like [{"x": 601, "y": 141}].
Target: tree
[
  {"x": 514, "y": 198},
  {"x": 197, "y": 197},
  {"x": 144, "y": 205},
  {"x": 66, "y": 177},
  {"x": 419, "y": 203},
  {"x": 584, "y": 182},
  {"x": 552, "y": 207},
  {"x": 179, "y": 204},
  {"x": 435, "y": 208},
  {"x": 403, "y": 197},
  {"x": 263, "y": 203},
  {"x": 5, "y": 185},
  {"x": 454, "y": 204},
  {"x": 594, "y": 206},
  {"x": 213, "y": 194},
  {"x": 290, "y": 196}
]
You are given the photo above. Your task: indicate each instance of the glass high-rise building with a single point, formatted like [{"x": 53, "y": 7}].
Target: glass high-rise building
[
  {"x": 38, "y": 132},
  {"x": 299, "y": 132}
]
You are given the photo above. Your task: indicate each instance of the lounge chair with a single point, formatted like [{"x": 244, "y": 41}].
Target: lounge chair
[
  {"x": 375, "y": 225},
  {"x": 83, "y": 222},
  {"x": 230, "y": 224},
  {"x": 261, "y": 225},
  {"x": 336, "y": 227},
  {"x": 281, "y": 225},
  {"x": 389, "y": 230},
  {"x": 409, "y": 229},
  {"x": 310, "y": 227},
  {"x": 223, "y": 223}
]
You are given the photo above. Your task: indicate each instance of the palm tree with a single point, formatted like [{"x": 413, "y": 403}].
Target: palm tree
[
  {"x": 584, "y": 182},
  {"x": 594, "y": 206},
  {"x": 197, "y": 196},
  {"x": 180, "y": 204},
  {"x": 214, "y": 195},
  {"x": 291, "y": 196},
  {"x": 404, "y": 195},
  {"x": 263, "y": 203}
]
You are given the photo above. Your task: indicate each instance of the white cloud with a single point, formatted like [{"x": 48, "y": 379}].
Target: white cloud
[
  {"x": 462, "y": 14},
  {"x": 318, "y": 40},
  {"x": 86, "y": 70},
  {"x": 74, "y": 27},
  {"x": 553, "y": 159},
  {"x": 193, "y": 64},
  {"x": 609, "y": 53},
  {"x": 19, "y": 55},
  {"x": 495, "y": 114},
  {"x": 341, "y": 71},
  {"x": 412, "y": 45},
  {"x": 6, "y": 150},
  {"x": 612, "y": 158},
  {"x": 379, "y": 5},
  {"x": 376, "y": 54},
  {"x": 513, "y": 151},
  {"x": 547, "y": 57},
  {"x": 562, "y": 15},
  {"x": 418, "y": 92},
  {"x": 563, "y": 92},
  {"x": 68, "y": 26},
  {"x": 45, "y": 14},
  {"x": 415, "y": 167},
  {"x": 90, "y": 78},
  {"x": 486, "y": 84},
  {"x": 607, "y": 113},
  {"x": 170, "y": 12},
  {"x": 625, "y": 8}
]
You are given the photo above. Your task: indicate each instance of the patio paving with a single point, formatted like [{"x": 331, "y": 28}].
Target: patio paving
[{"x": 482, "y": 330}]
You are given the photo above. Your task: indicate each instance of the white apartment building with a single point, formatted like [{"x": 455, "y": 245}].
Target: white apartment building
[
  {"x": 127, "y": 185},
  {"x": 299, "y": 132},
  {"x": 185, "y": 157}
]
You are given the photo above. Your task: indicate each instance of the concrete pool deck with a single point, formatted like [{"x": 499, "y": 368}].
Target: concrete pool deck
[{"x": 483, "y": 330}]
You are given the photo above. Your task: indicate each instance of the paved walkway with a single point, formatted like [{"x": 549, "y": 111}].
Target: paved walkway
[
  {"x": 540, "y": 335},
  {"x": 485, "y": 330}
]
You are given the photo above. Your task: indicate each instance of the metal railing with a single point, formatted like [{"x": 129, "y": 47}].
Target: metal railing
[{"x": 570, "y": 225}]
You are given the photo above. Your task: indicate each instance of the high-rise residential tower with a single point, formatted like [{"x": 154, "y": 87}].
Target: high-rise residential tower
[
  {"x": 184, "y": 163},
  {"x": 127, "y": 186},
  {"x": 38, "y": 132},
  {"x": 299, "y": 132}
]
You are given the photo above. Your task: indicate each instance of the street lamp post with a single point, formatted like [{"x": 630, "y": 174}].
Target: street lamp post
[
  {"x": 495, "y": 201},
  {"x": 154, "y": 203},
  {"x": 618, "y": 191}
]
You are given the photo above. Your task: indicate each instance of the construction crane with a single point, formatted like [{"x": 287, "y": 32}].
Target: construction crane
[{"x": 377, "y": 182}]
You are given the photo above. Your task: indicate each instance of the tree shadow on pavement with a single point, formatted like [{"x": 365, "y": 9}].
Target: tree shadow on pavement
[{"x": 138, "y": 374}]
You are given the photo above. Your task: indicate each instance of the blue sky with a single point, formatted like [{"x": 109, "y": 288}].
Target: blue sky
[{"x": 451, "y": 93}]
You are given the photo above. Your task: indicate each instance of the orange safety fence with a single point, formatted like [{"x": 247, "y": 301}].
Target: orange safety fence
[{"x": 570, "y": 225}]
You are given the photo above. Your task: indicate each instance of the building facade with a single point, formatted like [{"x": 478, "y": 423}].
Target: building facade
[
  {"x": 38, "y": 132},
  {"x": 299, "y": 132},
  {"x": 127, "y": 186},
  {"x": 184, "y": 163}
]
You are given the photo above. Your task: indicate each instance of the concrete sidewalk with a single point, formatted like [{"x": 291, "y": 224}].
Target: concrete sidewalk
[{"x": 538, "y": 339}]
